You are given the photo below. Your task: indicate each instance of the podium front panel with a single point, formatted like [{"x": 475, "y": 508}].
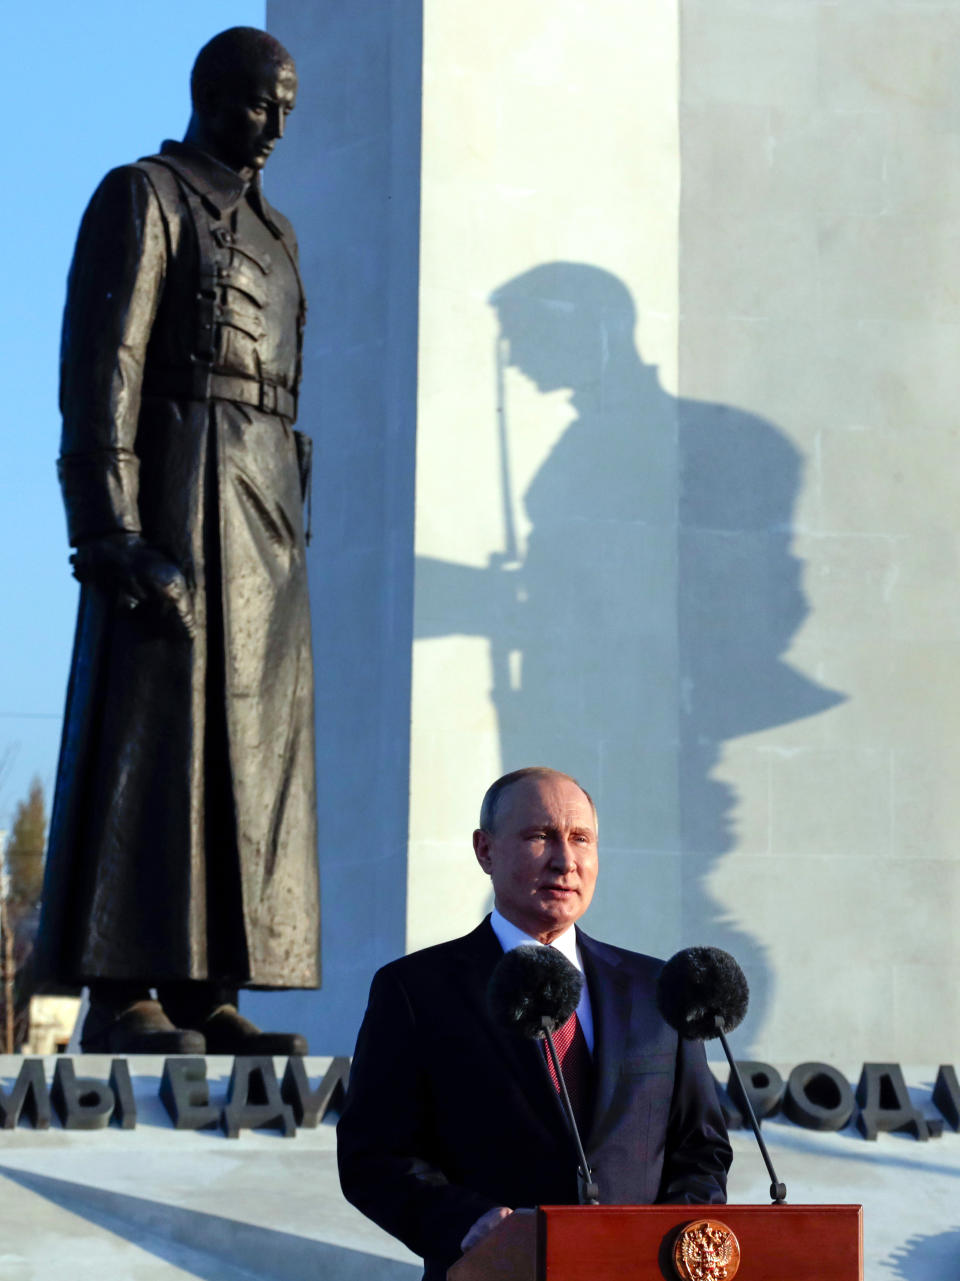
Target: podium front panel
[{"x": 636, "y": 1243}]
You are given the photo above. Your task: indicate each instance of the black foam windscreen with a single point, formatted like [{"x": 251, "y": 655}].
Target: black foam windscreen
[
  {"x": 529, "y": 983},
  {"x": 699, "y": 985}
]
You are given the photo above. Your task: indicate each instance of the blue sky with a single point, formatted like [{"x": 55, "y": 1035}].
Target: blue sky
[{"x": 94, "y": 85}]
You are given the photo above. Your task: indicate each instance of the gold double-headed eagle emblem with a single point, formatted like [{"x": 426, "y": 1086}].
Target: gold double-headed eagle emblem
[{"x": 706, "y": 1251}]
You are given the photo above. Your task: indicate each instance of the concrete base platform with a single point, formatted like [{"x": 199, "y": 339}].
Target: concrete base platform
[
  {"x": 910, "y": 1191},
  {"x": 152, "y": 1203}
]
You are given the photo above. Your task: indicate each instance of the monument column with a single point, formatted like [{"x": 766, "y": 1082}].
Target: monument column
[
  {"x": 350, "y": 180},
  {"x": 488, "y": 204}
]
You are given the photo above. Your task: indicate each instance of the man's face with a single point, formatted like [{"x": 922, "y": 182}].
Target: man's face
[
  {"x": 247, "y": 118},
  {"x": 542, "y": 856}
]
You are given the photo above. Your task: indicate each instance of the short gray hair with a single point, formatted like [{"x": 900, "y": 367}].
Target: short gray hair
[{"x": 491, "y": 800}]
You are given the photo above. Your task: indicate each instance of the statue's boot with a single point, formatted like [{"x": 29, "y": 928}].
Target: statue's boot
[
  {"x": 212, "y": 1010},
  {"x": 137, "y": 1026}
]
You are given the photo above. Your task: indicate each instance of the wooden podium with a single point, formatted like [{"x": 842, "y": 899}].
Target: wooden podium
[{"x": 637, "y": 1243}]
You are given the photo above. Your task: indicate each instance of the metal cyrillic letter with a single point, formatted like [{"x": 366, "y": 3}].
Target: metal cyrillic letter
[
  {"x": 946, "y": 1094},
  {"x": 125, "y": 1113},
  {"x": 309, "y": 1106},
  {"x": 885, "y": 1103},
  {"x": 29, "y": 1095},
  {"x": 81, "y": 1103},
  {"x": 186, "y": 1094},
  {"x": 818, "y": 1097},
  {"x": 764, "y": 1087},
  {"x": 254, "y": 1101}
]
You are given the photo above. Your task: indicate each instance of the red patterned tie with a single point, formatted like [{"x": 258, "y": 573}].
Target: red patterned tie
[{"x": 574, "y": 1056}]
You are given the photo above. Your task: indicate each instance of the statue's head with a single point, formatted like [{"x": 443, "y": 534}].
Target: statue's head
[{"x": 243, "y": 86}]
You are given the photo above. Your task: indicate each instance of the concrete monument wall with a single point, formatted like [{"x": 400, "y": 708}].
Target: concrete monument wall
[
  {"x": 819, "y": 278},
  {"x": 348, "y": 178},
  {"x": 546, "y": 449},
  {"x": 629, "y": 356}
]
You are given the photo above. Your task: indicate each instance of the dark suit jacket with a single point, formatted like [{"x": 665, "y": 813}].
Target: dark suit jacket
[{"x": 448, "y": 1116}]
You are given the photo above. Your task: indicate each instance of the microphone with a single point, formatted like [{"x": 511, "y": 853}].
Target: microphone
[
  {"x": 703, "y": 993},
  {"x": 698, "y": 986},
  {"x": 533, "y": 990},
  {"x": 531, "y": 983}
]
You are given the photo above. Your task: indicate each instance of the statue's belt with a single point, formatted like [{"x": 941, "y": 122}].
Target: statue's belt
[{"x": 204, "y": 384}]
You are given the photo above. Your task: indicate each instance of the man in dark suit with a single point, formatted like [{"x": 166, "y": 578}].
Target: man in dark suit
[{"x": 450, "y": 1123}]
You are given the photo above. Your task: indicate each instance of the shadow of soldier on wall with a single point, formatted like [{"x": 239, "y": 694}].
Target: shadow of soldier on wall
[{"x": 644, "y": 622}]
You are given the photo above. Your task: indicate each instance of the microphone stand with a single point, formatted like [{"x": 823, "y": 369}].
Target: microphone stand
[
  {"x": 778, "y": 1190},
  {"x": 589, "y": 1191}
]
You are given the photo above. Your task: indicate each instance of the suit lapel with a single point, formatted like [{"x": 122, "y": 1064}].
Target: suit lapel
[
  {"x": 479, "y": 953},
  {"x": 611, "y": 1002}
]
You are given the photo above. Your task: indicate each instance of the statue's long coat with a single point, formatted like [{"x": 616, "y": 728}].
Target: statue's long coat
[{"x": 183, "y": 835}]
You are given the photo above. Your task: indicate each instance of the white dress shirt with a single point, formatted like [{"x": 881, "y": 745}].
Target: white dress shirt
[{"x": 510, "y": 937}]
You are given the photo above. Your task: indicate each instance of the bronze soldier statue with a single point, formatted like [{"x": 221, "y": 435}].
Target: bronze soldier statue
[{"x": 182, "y": 854}]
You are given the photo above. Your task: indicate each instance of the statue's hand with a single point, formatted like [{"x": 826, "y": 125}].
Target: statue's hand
[
  {"x": 136, "y": 574},
  {"x": 162, "y": 583}
]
